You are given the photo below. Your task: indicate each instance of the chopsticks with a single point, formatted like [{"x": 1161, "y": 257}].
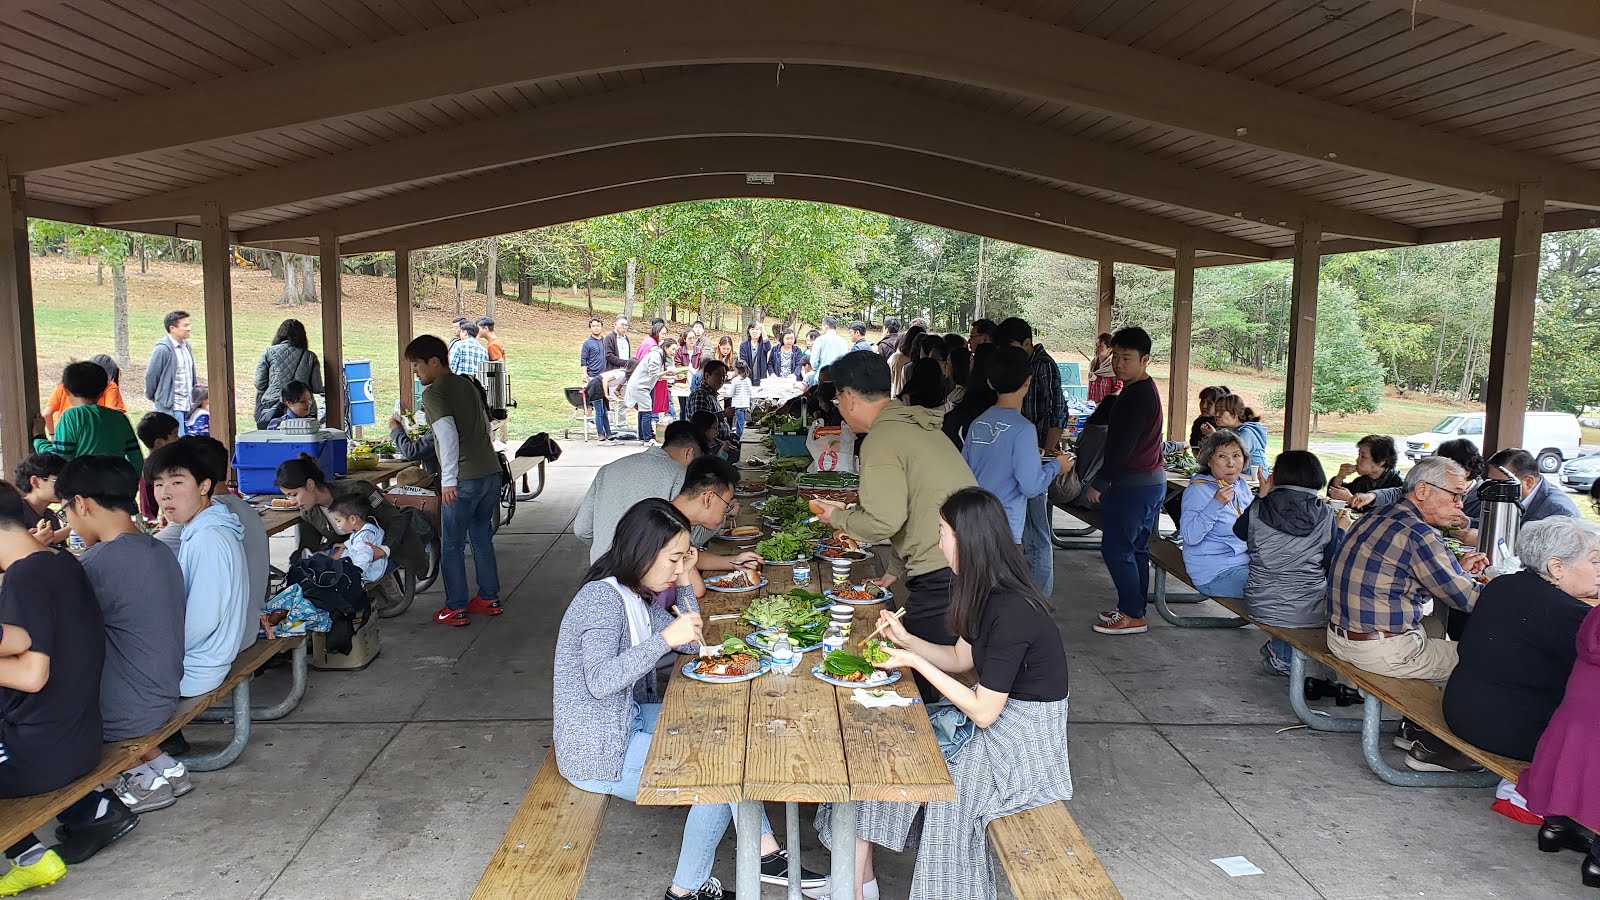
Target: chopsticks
[
  {"x": 892, "y": 617},
  {"x": 704, "y": 650}
]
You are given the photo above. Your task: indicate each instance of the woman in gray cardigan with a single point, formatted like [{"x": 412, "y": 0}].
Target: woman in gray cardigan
[{"x": 606, "y": 703}]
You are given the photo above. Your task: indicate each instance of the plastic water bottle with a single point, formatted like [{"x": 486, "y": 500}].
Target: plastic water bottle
[
  {"x": 833, "y": 638},
  {"x": 784, "y": 659},
  {"x": 802, "y": 574},
  {"x": 75, "y": 543}
]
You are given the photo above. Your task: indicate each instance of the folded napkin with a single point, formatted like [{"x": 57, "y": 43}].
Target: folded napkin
[{"x": 889, "y": 698}]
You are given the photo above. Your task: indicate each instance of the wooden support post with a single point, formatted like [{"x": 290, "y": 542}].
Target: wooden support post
[
  {"x": 1108, "y": 296},
  {"x": 332, "y": 330},
  {"x": 19, "y": 356},
  {"x": 1511, "y": 345},
  {"x": 217, "y": 276},
  {"x": 403, "y": 325},
  {"x": 1182, "y": 327},
  {"x": 1302, "y": 337}
]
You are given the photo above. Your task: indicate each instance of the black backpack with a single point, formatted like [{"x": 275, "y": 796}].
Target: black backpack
[{"x": 333, "y": 585}]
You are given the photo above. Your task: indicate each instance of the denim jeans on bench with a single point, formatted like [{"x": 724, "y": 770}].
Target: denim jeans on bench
[{"x": 706, "y": 823}]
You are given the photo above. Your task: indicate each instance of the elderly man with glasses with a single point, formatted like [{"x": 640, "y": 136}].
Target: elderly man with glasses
[{"x": 1392, "y": 566}]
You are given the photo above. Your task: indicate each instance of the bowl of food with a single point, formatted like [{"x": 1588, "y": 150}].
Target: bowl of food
[{"x": 750, "y": 489}]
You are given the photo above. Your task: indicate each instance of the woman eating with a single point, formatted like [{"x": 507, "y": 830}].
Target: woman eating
[
  {"x": 606, "y": 702},
  {"x": 1232, "y": 414},
  {"x": 1218, "y": 562},
  {"x": 1520, "y": 643},
  {"x": 1006, "y": 739},
  {"x": 1374, "y": 468},
  {"x": 1206, "y": 422}
]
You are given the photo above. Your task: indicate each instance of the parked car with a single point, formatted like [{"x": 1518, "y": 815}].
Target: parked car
[
  {"x": 1552, "y": 437},
  {"x": 1579, "y": 474}
]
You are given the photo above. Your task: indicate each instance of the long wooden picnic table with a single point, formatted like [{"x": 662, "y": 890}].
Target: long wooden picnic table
[{"x": 794, "y": 739}]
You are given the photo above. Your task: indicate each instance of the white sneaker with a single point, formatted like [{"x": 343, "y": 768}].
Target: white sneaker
[
  {"x": 869, "y": 891},
  {"x": 142, "y": 794},
  {"x": 178, "y": 777}
]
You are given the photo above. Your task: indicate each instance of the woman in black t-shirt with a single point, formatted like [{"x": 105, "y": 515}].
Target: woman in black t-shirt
[{"x": 1006, "y": 739}]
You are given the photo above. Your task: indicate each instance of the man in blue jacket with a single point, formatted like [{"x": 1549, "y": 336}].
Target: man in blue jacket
[{"x": 169, "y": 376}]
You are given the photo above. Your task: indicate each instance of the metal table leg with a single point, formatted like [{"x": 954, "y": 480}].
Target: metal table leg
[
  {"x": 241, "y": 736},
  {"x": 1159, "y": 589},
  {"x": 791, "y": 829},
  {"x": 1371, "y": 738},
  {"x": 747, "y": 855},
  {"x": 842, "y": 878}
]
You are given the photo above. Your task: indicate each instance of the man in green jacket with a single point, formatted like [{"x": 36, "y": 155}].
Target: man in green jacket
[
  {"x": 906, "y": 475},
  {"x": 86, "y": 428}
]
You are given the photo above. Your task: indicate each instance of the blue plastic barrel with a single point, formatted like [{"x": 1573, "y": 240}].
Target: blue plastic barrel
[{"x": 358, "y": 381}]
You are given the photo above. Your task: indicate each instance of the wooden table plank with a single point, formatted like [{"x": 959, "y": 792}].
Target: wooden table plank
[
  {"x": 795, "y": 747},
  {"x": 891, "y": 753},
  {"x": 698, "y": 752}
]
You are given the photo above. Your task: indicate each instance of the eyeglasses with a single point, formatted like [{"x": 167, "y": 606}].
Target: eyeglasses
[{"x": 1457, "y": 497}]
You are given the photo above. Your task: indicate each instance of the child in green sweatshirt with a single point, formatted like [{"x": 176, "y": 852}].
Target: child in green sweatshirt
[{"x": 87, "y": 429}]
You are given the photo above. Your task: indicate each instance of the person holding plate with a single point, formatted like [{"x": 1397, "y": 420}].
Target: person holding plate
[
  {"x": 1005, "y": 739},
  {"x": 606, "y": 699}
]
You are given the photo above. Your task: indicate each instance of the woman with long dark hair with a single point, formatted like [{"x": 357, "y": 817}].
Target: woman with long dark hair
[
  {"x": 977, "y": 398},
  {"x": 290, "y": 358},
  {"x": 606, "y": 699},
  {"x": 661, "y": 398},
  {"x": 786, "y": 358},
  {"x": 925, "y": 386},
  {"x": 1006, "y": 739},
  {"x": 909, "y": 350},
  {"x": 756, "y": 351}
]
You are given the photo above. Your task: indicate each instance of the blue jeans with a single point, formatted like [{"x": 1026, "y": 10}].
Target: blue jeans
[
  {"x": 471, "y": 518},
  {"x": 647, "y": 426},
  {"x": 740, "y": 416},
  {"x": 1228, "y": 583},
  {"x": 1129, "y": 513},
  {"x": 1036, "y": 546},
  {"x": 706, "y": 823},
  {"x": 602, "y": 419},
  {"x": 182, "y": 417}
]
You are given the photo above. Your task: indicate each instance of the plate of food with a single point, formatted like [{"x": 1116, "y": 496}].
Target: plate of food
[
  {"x": 858, "y": 594},
  {"x": 834, "y": 551},
  {"x": 753, "y": 462},
  {"x": 282, "y": 503},
  {"x": 733, "y": 661},
  {"x": 750, "y": 489},
  {"x": 741, "y": 533},
  {"x": 797, "y": 609},
  {"x": 785, "y": 548},
  {"x": 848, "y": 670},
  {"x": 736, "y": 582},
  {"x": 803, "y": 640}
]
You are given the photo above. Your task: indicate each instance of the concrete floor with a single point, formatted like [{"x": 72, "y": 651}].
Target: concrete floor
[{"x": 399, "y": 781}]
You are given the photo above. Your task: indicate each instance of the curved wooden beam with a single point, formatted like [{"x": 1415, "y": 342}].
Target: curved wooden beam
[
  {"x": 644, "y": 194},
  {"x": 944, "y": 39},
  {"x": 809, "y": 103},
  {"x": 929, "y": 176}
]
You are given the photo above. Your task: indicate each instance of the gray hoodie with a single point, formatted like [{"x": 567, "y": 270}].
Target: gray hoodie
[{"x": 1291, "y": 537}]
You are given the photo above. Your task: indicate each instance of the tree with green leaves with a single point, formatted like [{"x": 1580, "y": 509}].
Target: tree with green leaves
[
  {"x": 1346, "y": 376},
  {"x": 110, "y": 248}
]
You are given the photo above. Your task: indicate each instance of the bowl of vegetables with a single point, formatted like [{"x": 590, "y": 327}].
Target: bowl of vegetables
[{"x": 786, "y": 547}]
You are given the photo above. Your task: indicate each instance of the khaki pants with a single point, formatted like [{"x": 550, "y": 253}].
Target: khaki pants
[{"x": 1410, "y": 655}]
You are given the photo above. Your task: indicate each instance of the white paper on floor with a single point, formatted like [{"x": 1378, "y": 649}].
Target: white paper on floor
[{"x": 1236, "y": 866}]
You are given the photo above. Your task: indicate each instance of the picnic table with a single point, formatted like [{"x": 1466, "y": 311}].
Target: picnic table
[
  {"x": 280, "y": 520},
  {"x": 793, "y": 739}
]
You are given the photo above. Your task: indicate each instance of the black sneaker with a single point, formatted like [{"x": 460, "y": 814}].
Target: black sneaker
[
  {"x": 1422, "y": 758},
  {"x": 775, "y": 870},
  {"x": 175, "y": 745},
  {"x": 1408, "y": 735},
  {"x": 711, "y": 890},
  {"x": 80, "y": 842}
]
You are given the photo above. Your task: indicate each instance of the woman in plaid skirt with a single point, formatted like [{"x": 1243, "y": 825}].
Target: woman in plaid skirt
[{"x": 1006, "y": 739}]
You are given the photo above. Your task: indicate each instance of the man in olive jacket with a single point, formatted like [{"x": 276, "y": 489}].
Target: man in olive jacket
[{"x": 906, "y": 475}]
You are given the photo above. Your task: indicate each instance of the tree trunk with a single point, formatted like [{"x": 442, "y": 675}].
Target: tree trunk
[
  {"x": 459, "y": 306},
  {"x": 119, "y": 309},
  {"x": 1465, "y": 392},
  {"x": 549, "y": 294},
  {"x": 588, "y": 292},
  {"x": 979, "y": 303},
  {"x": 1438, "y": 360},
  {"x": 492, "y": 278},
  {"x": 99, "y": 272},
  {"x": 291, "y": 294},
  {"x": 627, "y": 291},
  {"x": 747, "y": 317},
  {"x": 308, "y": 279},
  {"x": 144, "y": 259},
  {"x": 649, "y": 287}
]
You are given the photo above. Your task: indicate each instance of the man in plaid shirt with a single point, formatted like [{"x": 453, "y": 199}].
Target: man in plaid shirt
[
  {"x": 1393, "y": 564},
  {"x": 467, "y": 354},
  {"x": 705, "y": 398},
  {"x": 1044, "y": 406}
]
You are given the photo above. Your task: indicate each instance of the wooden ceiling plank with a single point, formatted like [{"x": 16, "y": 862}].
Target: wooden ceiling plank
[
  {"x": 1551, "y": 97},
  {"x": 131, "y": 43},
  {"x": 58, "y": 48},
  {"x": 1404, "y": 77},
  {"x": 1301, "y": 29},
  {"x": 967, "y": 44},
  {"x": 817, "y": 105},
  {"x": 264, "y": 35},
  {"x": 24, "y": 84},
  {"x": 1531, "y": 80},
  {"x": 306, "y": 29},
  {"x": 1309, "y": 62},
  {"x": 1563, "y": 23}
]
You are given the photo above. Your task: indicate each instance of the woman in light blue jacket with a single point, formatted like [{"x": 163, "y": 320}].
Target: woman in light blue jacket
[
  {"x": 1217, "y": 560},
  {"x": 1234, "y": 415}
]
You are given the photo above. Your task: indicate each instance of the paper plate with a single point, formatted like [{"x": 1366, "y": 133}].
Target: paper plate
[
  {"x": 891, "y": 676},
  {"x": 688, "y": 671}
]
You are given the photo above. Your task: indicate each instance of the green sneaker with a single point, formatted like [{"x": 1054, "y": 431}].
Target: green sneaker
[{"x": 48, "y": 870}]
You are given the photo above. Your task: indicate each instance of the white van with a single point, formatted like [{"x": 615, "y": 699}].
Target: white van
[{"x": 1552, "y": 437}]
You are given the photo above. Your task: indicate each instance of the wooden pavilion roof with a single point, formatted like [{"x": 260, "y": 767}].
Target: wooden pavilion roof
[{"x": 1110, "y": 129}]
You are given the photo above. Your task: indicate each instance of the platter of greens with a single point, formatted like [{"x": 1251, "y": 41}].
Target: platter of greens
[
  {"x": 848, "y": 670},
  {"x": 787, "y": 547}
]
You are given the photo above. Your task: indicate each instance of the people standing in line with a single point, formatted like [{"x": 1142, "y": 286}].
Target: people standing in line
[
  {"x": 169, "y": 375},
  {"x": 617, "y": 350},
  {"x": 1131, "y": 483},
  {"x": 1005, "y": 737},
  {"x": 1102, "y": 380},
  {"x": 1216, "y": 558},
  {"x": 661, "y": 396},
  {"x": 689, "y": 355},
  {"x": 1000, "y": 448},
  {"x": 890, "y": 342},
  {"x": 1046, "y": 408},
  {"x": 650, "y": 373},
  {"x": 858, "y": 337},
  {"x": 469, "y": 481},
  {"x": 468, "y": 355},
  {"x": 903, "y": 356},
  {"x": 491, "y": 341},
  {"x": 86, "y": 428},
  {"x": 787, "y": 359},
  {"x": 755, "y": 351},
  {"x": 52, "y": 648},
  {"x": 907, "y": 473},
  {"x": 982, "y": 333},
  {"x": 1234, "y": 415},
  {"x": 290, "y": 358},
  {"x": 592, "y": 361},
  {"x": 977, "y": 399},
  {"x": 60, "y": 399},
  {"x": 1206, "y": 422}
]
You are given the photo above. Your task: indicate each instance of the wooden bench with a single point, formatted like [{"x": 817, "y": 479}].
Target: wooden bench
[
  {"x": 1167, "y": 559},
  {"x": 23, "y": 815},
  {"x": 1417, "y": 700},
  {"x": 524, "y": 466},
  {"x": 1046, "y": 856},
  {"x": 547, "y": 846}
]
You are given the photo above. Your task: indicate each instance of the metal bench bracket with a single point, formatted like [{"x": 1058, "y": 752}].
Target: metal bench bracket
[
  {"x": 1372, "y": 738},
  {"x": 241, "y": 736},
  {"x": 1161, "y": 602},
  {"x": 298, "y": 667}
]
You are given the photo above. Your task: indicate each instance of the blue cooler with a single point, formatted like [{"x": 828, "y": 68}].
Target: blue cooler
[{"x": 257, "y": 454}]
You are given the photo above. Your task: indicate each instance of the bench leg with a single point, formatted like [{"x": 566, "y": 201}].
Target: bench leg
[
  {"x": 791, "y": 830},
  {"x": 297, "y": 688},
  {"x": 1316, "y": 719},
  {"x": 1372, "y": 739},
  {"x": 1159, "y": 589},
  {"x": 530, "y": 493},
  {"x": 842, "y": 877},
  {"x": 241, "y": 736}
]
